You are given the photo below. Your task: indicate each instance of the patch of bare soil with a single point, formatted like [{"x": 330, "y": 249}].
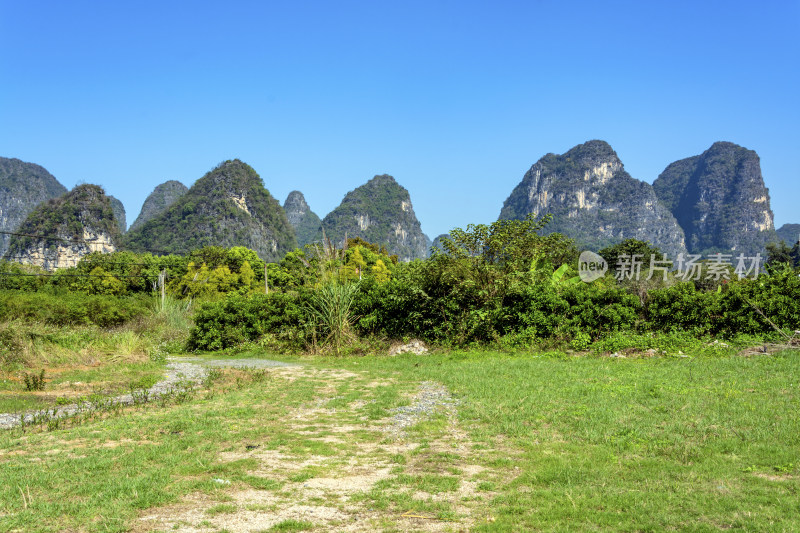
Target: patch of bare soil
[{"x": 775, "y": 477}]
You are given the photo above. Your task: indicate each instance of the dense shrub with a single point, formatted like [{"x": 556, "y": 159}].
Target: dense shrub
[
  {"x": 748, "y": 306},
  {"x": 488, "y": 287},
  {"x": 598, "y": 308},
  {"x": 682, "y": 308},
  {"x": 238, "y": 319},
  {"x": 536, "y": 309},
  {"x": 744, "y": 306},
  {"x": 72, "y": 308}
]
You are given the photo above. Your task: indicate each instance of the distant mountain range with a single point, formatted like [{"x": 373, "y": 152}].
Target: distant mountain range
[
  {"x": 719, "y": 199},
  {"x": 715, "y": 201},
  {"x": 162, "y": 197},
  {"x": 23, "y": 186},
  {"x": 307, "y": 225}
]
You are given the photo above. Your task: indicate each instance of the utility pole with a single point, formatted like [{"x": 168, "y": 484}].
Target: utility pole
[
  {"x": 162, "y": 280},
  {"x": 266, "y": 280}
]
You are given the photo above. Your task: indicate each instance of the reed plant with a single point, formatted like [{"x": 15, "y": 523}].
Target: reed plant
[{"x": 331, "y": 309}]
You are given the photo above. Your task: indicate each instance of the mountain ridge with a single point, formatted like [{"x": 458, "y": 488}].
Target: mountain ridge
[
  {"x": 307, "y": 225},
  {"x": 720, "y": 200},
  {"x": 59, "y": 232},
  {"x": 23, "y": 186},
  {"x": 379, "y": 211},
  {"x": 594, "y": 200},
  {"x": 162, "y": 196},
  {"x": 228, "y": 206}
]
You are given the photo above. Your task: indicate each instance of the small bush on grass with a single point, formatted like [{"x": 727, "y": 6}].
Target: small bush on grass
[{"x": 33, "y": 381}]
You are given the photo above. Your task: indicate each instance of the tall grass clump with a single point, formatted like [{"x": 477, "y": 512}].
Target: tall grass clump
[
  {"x": 174, "y": 313},
  {"x": 331, "y": 309}
]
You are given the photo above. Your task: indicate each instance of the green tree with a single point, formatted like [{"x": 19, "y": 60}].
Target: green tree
[
  {"x": 628, "y": 248},
  {"x": 779, "y": 253},
  {"x": 380, "y": 271},
  {"x": 246, "y": 275}
]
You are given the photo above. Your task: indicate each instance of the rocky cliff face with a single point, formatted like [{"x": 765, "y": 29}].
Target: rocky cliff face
[
  {"x": 719, "y": 199},
  {"x": 307, "y": 225},
  {"x": 229, "y": 206},
  {"x": 162, "y": 197},
  {"x": 23, "y": 186},
  {"x": 380, "y": 212},
  {"x": 789, "y": 233},
  {"x": 437, "y": 242},
  {"x": 119, "y": 213},
  {"x": 65, "y": 229},
  {"x": 594, "y": 200}
]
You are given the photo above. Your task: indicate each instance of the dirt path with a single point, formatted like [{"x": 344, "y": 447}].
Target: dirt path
[{"x": 356, "y": 472}]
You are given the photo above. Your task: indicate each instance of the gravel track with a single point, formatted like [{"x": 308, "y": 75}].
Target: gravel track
[
  {"x": 180, "y": 371},
  {"x": 433, "y": 398}
]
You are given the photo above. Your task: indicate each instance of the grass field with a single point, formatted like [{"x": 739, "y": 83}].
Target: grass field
[{"x": 468, "y": 441}]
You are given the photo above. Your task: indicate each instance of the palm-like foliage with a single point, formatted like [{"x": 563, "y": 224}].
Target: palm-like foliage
[{"x": 330, "y": 307}]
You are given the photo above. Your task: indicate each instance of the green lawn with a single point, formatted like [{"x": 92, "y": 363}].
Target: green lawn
[{"x": 550, "y": 443}]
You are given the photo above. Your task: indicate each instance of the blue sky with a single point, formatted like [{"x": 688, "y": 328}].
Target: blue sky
[{"x": 455, "y": 99}]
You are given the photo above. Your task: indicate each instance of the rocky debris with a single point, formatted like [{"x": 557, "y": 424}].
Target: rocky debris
[
  {"x": 236, "y": 363},
  {"x": 432, "y": 399},
  {"x": 415, "y": 346},
  {"x": 183, "y": 372},
  {"x": 178, "y": 374}
]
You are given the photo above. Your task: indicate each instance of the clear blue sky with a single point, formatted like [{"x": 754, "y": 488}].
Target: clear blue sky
[{"x": 455, "y": 99}]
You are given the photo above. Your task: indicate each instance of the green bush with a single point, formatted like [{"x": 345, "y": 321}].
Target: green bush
[
  {"x": 597, "y": 308},
  {"x": 238, "y": 319},
  {"x": 682, "y": 308},
  {"x": 72, "y": 308},
  {"x": 581, "y": 341},
  {"x": 744, "y": 306},
  {"x": 758, "y": 306}
]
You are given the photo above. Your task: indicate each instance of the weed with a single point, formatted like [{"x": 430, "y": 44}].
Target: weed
[
  {"x": 34, "y": 382},
  {"x": 222, "y": 508},
  {"x": 581, "y": 341},
  {"x": 213, "y": 375},
  {"x": 12, "y": 348},
  {"x": 140, "y": 396},
  {"x": 258, "y": 375},
  {"x": 292, "y": 525}
]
